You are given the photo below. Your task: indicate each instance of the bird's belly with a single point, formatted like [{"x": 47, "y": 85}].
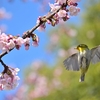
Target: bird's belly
[
  {"x": 84, "y": 65},
  {"x": 83, "y": 62}
]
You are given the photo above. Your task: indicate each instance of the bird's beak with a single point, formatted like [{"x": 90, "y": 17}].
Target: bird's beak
[{"x": 75, "y": 48}]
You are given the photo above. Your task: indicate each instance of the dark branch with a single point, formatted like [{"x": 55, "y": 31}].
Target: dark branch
[{"x": 5, "y": 66}]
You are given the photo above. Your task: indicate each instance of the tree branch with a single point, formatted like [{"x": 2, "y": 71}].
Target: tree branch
[
  {"x": 29, "y": 32},
  {"x": 5, "y": 66}
]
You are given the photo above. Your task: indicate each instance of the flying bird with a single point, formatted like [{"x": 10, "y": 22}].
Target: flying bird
[{"x": 81, "y": 60}]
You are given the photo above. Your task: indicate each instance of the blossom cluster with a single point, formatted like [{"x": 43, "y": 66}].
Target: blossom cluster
[
  {"x": 67, "y": 8},
  {"x": 9, "y": 79},
  {"x": 8, "y": 42}
]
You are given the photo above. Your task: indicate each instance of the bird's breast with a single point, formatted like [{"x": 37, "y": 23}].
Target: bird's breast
[{"x": 84, "y": 59}]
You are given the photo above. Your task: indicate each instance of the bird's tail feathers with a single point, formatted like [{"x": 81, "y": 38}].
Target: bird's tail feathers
[{"x": 82, "y": 78}]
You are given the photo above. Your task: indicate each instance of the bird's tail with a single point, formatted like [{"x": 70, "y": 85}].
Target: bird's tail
[{"x": 82, "y": 78}]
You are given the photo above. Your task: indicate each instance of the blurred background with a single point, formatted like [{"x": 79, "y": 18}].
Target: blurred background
[{"x": 42, "y": 73}]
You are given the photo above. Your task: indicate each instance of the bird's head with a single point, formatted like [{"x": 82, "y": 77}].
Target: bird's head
[{"x": 82, "y": 47}]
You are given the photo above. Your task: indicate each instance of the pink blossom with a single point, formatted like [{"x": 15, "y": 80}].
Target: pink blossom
[
  {"x": 62, "y": 13},
  {"x": 35, "y": 40},
  {"x": 73, "y": 10},
  {"x": 54, "y": 21},
  {"x": 57, "y": 72},
  {"x": 40, "y": 92},
  {"x": 36, "y": 65},
  {"x": 32, "y": 78},
  {"x": 27, "y": 43},
  {"x": 38, "y": 20},
  {"x": 18, "y": 42},
  {"x": 3, "y": 37},
  {"x": 10, "y": 44},
  {"x": 9, "y": 80},
  {"x": 74, "y": 1},
  {"x": 42, "y": 26},
  {"x": 54, "y": 39},
  {"x": 62, "y": 53},
  {"x": 3, "y": 42},
  {"x": 1, "y": 86},
  {"x": 54, "y": 6},
  {"x": 61, "y": 1},
  {"x": 41, "y": 88}
]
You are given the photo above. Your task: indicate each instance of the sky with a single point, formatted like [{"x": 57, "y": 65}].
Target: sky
[{"x": 24, "y": 16}]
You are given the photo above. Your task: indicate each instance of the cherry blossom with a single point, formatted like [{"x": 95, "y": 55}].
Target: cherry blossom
[
  {"x": 35, "y": 39},
  {"x": 62, "y": 13},
  {"x": 61, "y": 1},
  {"x": 27, "y": 43},
  {"x": 66, "y": 8},
  {"x": 8, "y": 42},
  {"x": 54, "y": 6},
  {"x": 9, "y": 80},
  {"x": 42, "y": 26},
  {"x": 73, "y": 10},
  {"x": 74, "y": 1}
]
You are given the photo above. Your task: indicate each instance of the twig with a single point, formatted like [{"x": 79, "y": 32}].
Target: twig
[{"x": 5, "y": 66}]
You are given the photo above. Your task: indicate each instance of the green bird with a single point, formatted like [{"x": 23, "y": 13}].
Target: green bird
[{"x": 81, "y": 60}]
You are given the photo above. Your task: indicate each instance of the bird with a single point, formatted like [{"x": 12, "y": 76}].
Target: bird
[{"x": 80, "y": 61}]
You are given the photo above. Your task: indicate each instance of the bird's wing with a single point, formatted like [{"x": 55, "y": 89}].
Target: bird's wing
[
  {"x": 95, "y": 54},
  {"x": 71, "y": 63}
]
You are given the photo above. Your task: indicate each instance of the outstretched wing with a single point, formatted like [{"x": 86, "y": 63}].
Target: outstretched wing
[
  {"x": 95, "y": 54},
  {"x": 71, "y": 63}
]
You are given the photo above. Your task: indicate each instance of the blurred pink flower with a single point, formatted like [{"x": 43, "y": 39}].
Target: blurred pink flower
[
  {"x": 41, "y": 81},
  {"x": 57, "y": 72},
  {"x": 32, "y": 78},
  {"x": 40, "y": 88},
  {"x": 62, "y": 53},
  {"x": 56, "y": 84},
  {"x": 4, "y": 14},
  {"x": 3, "y": 27},
  {"x": 72, "y": 32},
  {"x": 37, "y": 64},
  {"x": 73, "y": 10},
  {"x": 54, "y": 38}
]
